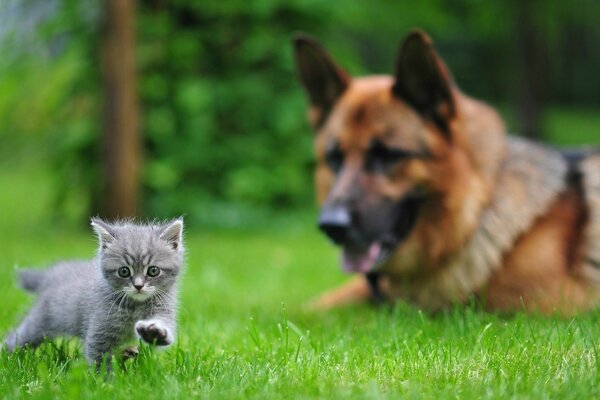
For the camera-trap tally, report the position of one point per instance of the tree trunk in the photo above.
(121, 142)
(529, 71)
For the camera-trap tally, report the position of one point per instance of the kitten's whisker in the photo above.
(163, 298)
(124, 299)
(107, 298)
(119, 294)
(164, 294)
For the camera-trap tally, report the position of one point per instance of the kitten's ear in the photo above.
(103, 230)
(173, 232)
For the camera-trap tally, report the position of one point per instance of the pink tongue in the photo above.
(360, 260)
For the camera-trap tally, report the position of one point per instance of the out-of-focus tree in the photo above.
(120, 140)
(223, 117)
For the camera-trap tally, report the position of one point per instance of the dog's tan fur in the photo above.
(506, 221)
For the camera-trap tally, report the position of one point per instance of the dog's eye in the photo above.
(334, 159)
(380, 157)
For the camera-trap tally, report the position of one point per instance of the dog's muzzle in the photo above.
(336, 223)
(362, 250)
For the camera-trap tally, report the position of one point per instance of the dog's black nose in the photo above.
(335, 222)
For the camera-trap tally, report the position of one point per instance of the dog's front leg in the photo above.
(355, 291)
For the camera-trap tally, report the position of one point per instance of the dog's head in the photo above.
(389, 155)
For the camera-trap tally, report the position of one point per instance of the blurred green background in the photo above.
(225, 142)
(224, 138)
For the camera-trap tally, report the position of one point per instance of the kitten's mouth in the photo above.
(139, 295)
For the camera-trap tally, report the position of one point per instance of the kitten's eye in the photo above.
(124, 272)
(153, 271)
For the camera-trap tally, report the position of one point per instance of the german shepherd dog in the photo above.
(433, 203)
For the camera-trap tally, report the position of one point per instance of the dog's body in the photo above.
(435, 204)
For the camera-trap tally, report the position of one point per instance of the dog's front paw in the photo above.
(154, 332)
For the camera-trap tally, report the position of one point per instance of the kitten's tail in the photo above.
(31, 279)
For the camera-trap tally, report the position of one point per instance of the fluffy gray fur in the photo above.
(89, 299)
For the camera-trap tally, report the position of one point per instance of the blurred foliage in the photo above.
(223, 119)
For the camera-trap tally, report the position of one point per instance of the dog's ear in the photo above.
(323, 80)
(423, 81)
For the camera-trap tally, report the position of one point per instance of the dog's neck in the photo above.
(499, 226)
(478, 151)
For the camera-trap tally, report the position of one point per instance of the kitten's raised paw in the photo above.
(153, 332)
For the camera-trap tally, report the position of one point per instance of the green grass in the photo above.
(243, 332)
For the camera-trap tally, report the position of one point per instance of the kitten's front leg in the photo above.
(155, 331)
(99, 343)
(96, 353)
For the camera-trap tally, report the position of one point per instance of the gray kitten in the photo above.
(129, 290)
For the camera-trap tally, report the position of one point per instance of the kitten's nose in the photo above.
(138, 286)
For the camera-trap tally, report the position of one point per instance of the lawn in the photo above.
(243, 331)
